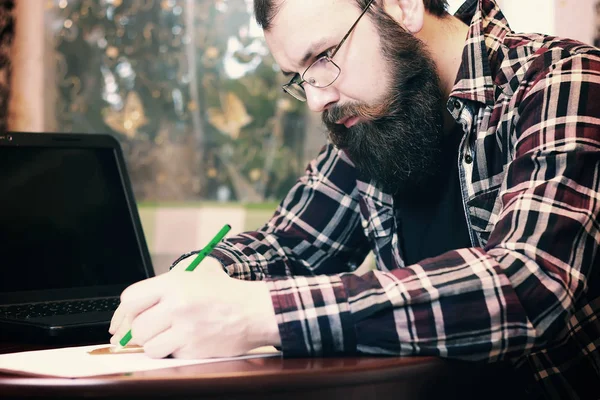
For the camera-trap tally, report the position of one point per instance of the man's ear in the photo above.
(408, 13)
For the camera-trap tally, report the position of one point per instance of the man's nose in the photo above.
(319, 99)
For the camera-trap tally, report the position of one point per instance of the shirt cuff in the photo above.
(313, 316)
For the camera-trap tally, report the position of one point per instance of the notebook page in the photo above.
(76, 362)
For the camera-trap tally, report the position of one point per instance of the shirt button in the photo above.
(365, 223)
(456, 104)
(468, 159)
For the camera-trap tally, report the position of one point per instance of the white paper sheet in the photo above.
(75, 362)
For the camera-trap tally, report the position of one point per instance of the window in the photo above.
(189, 89)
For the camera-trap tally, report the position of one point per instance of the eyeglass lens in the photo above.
(321, 73)
(296, 91)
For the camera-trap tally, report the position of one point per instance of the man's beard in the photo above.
(398, 143)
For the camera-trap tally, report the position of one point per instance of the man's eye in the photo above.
(326, 53)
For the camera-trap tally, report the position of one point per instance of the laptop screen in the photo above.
(65, 220)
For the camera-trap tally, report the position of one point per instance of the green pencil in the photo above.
(203, 253)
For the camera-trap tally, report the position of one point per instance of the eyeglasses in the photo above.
(321, 73)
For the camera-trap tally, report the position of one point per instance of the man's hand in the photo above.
(196, 314)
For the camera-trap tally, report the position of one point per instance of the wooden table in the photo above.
(273, 378)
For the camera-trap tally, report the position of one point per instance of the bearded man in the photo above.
(463, 155)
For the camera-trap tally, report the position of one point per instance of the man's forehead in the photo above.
(289, 11)
(299, 23)
(306, 7)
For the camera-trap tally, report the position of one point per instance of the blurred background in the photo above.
(189, 89)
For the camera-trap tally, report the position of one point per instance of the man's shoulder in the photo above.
(536, 45)
(331, 167)
(530, 57)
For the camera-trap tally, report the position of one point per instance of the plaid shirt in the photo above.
(528, 290)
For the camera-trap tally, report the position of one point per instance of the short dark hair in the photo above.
(265, 11)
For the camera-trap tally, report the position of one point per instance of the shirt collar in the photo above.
(487, 29)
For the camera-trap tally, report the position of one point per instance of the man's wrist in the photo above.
(263, 330)
(208, 264)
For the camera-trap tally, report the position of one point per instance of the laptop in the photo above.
(70, 236)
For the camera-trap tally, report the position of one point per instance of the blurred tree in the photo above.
(189, 89)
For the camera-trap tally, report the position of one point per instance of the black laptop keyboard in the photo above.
(34, 310)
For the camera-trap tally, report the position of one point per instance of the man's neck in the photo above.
(445, 38)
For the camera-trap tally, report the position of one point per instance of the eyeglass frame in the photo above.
(298, 79)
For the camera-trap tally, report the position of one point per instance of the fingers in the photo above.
(151, 323)
(121, 331)
(142, 295)
(116, 320)
(164, 344)
(134, 300)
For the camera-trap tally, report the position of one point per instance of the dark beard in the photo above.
(398, 144)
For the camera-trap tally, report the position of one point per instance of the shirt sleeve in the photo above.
(503, 300)
(314, 231)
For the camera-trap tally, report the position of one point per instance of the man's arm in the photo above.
(315, 230)
(507, 299)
